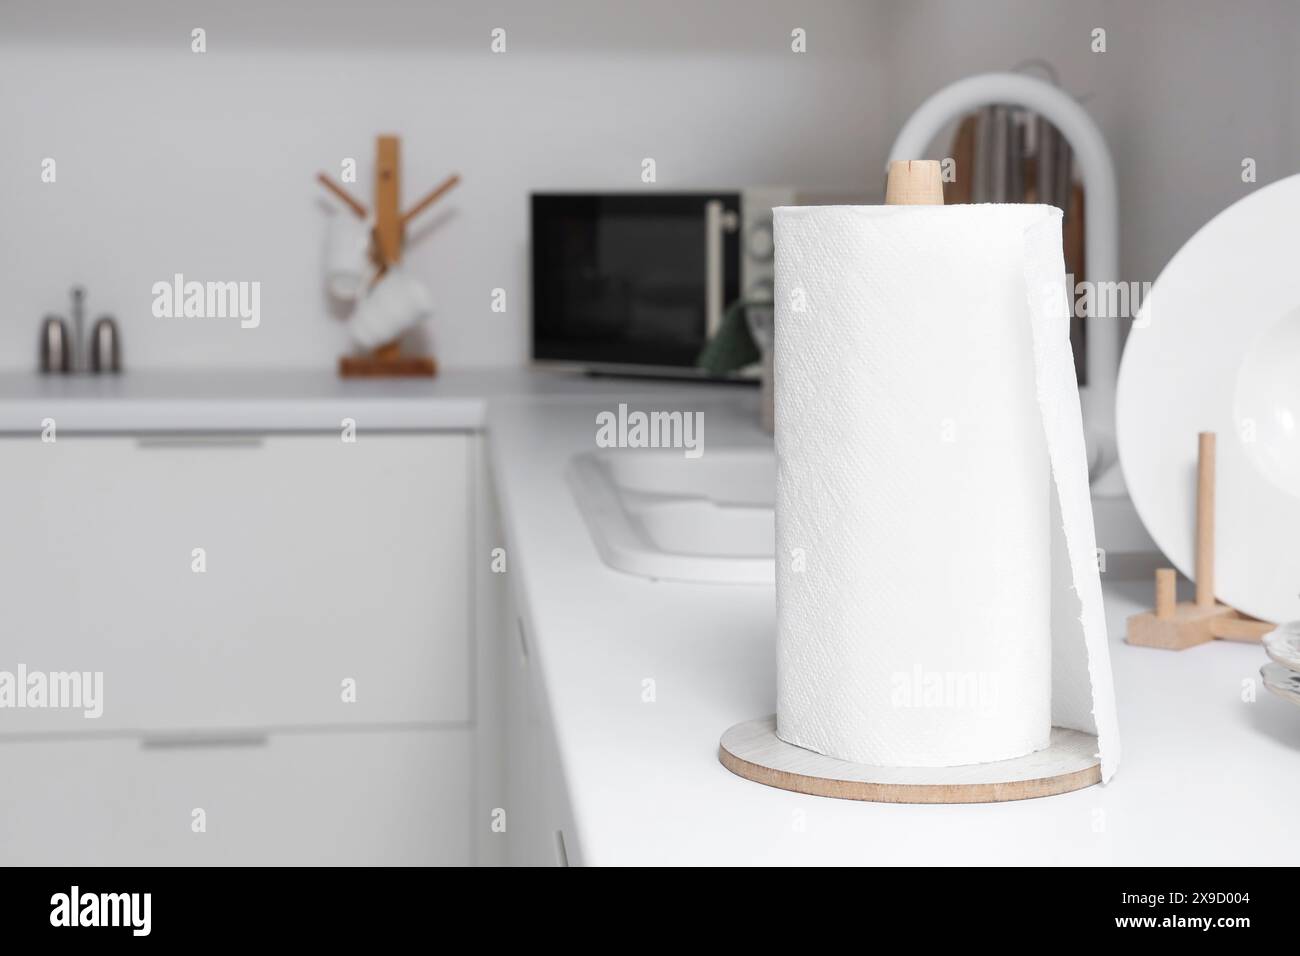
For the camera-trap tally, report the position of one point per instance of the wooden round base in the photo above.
(752, 750)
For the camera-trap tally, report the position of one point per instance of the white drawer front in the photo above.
(325, 562)
(340, 798)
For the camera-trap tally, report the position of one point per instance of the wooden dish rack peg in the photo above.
(1175, 625)
(386, 250)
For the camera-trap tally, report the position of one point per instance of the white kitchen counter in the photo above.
(278, 399)
(1206, 778)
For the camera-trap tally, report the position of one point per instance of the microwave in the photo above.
(637, 283)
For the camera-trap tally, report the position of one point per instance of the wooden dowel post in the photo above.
(1166, 593)
(1205, 520)
(914, 182)
(388, 213)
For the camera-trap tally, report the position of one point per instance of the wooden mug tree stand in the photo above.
(1175, 625)
(386, 250)
(753, 750)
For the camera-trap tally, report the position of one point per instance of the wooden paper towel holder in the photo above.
(1175, 625)
(753, 750)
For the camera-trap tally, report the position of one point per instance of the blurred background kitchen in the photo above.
(170, 161)
(498, 584)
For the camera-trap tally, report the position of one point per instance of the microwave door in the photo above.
(623, 280)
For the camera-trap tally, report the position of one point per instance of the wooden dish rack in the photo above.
(1176, 625)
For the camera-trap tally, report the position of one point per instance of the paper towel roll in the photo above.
(934, 608)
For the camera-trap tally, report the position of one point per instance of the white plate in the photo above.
(1283, 645)
(1285, 683)
(1216, 347)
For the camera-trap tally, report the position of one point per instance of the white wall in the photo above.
(170, 161)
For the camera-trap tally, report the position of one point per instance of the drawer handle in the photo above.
(202, 740)
(199, 441)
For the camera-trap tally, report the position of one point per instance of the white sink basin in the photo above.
(661, 515)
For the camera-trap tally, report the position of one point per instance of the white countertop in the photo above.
(280, 399)
(1206, 778)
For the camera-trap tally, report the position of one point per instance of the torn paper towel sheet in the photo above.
(938, 597)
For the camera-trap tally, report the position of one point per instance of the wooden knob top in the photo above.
(914, 182)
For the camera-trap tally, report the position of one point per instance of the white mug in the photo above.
(348, 268)
(397, 302)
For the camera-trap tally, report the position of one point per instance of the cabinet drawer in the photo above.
(325, 562)
(339, 798)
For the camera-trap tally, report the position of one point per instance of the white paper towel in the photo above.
(938, 597)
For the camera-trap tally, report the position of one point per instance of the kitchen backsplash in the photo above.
(230, 196)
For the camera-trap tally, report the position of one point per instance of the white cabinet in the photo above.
(541, 829)
(323, 562)
(324, 566)
(356, 797)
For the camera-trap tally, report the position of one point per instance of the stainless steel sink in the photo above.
(661, 515)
